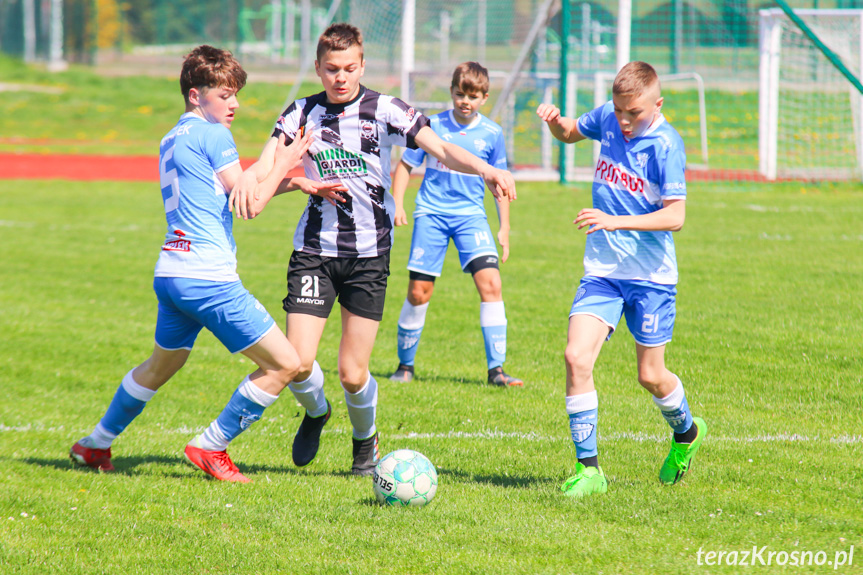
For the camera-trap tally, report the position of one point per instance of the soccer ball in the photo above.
(405, 478)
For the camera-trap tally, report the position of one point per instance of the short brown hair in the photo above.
(210, 67)
(470, 77)
(339, 37)
(635, 79)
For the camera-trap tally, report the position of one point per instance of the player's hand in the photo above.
(291, 156)
(501, 183)
(401, 217)
(548, 113)
(333, 192)
(503, 240)
(595, 220)
(242, 198)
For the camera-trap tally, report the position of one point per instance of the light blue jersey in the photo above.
(448, 193)
(633, 177)
(199, 243)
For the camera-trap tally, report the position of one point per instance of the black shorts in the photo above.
(316, 282)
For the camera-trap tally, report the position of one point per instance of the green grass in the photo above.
(90, 114)
(767, 342)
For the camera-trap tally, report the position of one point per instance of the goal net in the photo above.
(809, 111)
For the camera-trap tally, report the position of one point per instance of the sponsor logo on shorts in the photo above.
(310, 300)
(417, 254)
(491, 260)
(178, 245)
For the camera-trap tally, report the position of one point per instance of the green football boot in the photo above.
(679, 459)
(586, 481)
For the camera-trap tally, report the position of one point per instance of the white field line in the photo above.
(489, 434)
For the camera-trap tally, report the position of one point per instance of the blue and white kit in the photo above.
(450, 204)
(629, 272)
(196, 277)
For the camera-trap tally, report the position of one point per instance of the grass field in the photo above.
(90, 114)
(767, 342)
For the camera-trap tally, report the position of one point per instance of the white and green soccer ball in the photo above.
(405, 478)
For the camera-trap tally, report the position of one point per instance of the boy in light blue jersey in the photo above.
(196, 280)
(639, 193)
(449, 205)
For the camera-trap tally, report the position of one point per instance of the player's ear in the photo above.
(659, 103)
(194, 96)
(484, 99)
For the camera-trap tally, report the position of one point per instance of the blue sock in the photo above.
(675, 409)
(411, 322)
(128, 403)
(409, 342)
(245, 407)
(583, 411)
(492, 320)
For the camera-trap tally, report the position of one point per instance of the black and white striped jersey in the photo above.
(352, 143)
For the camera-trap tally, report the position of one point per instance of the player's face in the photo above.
(340, 72)
(466, 104)
(216, 105)
(635, 113)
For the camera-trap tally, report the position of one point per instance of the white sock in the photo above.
(413, 316)
(492, 313)
(254, 393)
(213, 439)
(362, 408)
(101, 438)
(310, 392)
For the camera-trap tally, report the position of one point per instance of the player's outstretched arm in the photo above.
(670, 218)
(500, 182)
(249, 192)
(561, 127)
(400, 184)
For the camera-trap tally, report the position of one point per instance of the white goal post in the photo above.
(810, 114)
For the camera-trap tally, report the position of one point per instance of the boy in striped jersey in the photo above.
(342, 245)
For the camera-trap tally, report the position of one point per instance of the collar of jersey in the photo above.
(475, 122)
(330, 106)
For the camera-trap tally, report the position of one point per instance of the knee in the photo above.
(490, 289)
(577, 362)
(650, 378)
(420, 294)
(353, 379)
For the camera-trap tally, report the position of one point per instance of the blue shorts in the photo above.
(471, 235)
(649, 307)
(227, 309)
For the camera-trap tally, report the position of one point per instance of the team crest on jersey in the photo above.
(335, 163)
(479, 144)
(609, 135)
(369, 132)
(410, 113)
(641, 159)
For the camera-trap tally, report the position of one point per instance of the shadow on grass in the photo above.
(433, 378)
(496, 480)
(170, 467)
